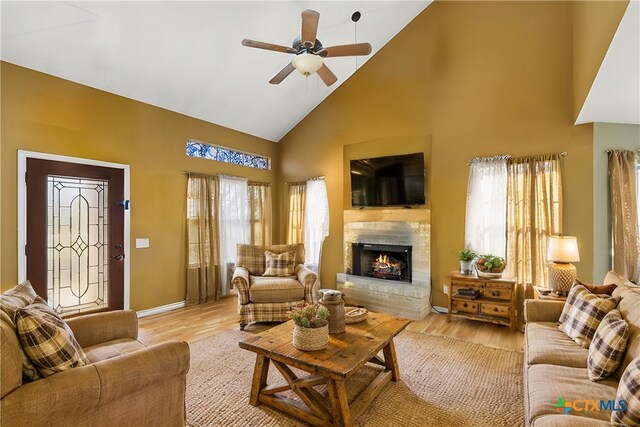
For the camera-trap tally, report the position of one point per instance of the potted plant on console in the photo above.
(466, 261)
(311, 328)
(490, 266)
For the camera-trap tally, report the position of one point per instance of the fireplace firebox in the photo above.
(389, 262)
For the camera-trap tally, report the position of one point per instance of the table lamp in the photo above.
(562, 251)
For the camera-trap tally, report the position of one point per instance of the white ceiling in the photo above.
(187, 57)
(615, 93)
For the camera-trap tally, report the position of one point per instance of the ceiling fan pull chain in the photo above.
(355, 37)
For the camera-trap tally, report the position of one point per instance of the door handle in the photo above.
(118, 257)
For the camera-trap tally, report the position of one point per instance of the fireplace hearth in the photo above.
(388, 262)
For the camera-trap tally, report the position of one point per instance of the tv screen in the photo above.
(388, 181)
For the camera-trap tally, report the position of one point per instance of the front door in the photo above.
(75, 235)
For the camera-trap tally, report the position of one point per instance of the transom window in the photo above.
(227, 155)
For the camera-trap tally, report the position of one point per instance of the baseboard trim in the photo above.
(436, 309)
(161, 309)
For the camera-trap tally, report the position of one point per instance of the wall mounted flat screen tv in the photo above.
(388, 181)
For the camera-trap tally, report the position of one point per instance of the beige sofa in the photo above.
(127, 383)
(268, 299)
(556, 367)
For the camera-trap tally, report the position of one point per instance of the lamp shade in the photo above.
(563, 249)
(307, 63)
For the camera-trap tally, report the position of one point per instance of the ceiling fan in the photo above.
(309, 51)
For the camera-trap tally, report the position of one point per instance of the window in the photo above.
(486, 213)
(233, 209)
(316, 220)
(227, 155)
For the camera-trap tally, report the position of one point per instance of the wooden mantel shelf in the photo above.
(387, 215)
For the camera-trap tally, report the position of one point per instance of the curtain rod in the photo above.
(225, 175)
(500, 157)
(507, 157)
(317, 178)
(264, 183)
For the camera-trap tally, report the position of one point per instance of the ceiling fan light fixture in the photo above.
(307, 63)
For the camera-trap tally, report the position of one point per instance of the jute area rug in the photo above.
(444, 382)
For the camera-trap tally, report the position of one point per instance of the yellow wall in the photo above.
(464, 79)
(594, 24)
(474, 79)
(51, 115)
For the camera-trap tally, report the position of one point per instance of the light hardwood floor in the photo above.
(200, 321)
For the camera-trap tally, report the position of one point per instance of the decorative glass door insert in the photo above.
(77, 244)
(75, 235)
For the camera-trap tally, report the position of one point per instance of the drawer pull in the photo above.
(495, 309)
(465, 305)
(495, 293)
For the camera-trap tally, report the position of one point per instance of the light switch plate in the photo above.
(142, 243)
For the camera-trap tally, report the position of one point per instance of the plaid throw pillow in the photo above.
(597, 289)
(10, 301)
(629, 391)
(48, 340)
(608, 345)
(252, 258)
(586, 312)
(279, 264)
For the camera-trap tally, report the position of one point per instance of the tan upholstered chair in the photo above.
(268, 299)
(127, 383)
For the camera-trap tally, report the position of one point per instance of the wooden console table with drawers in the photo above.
(496, 303)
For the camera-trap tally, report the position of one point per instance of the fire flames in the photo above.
(385, 266)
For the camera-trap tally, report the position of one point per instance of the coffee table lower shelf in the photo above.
(314, 408)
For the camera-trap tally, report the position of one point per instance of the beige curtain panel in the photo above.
(260, 213)
(534, 212)
(623, 198)
(295, 212)
(203, 275)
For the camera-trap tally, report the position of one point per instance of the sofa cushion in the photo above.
(629, 391)
(48, 340)
(586, 313)
(597, 289)
(629, 295)
(545, 344)
(109, 349)
(10, 301)
(279, 265)
(275, 289)
(11, 362)
(548, 384)
(608, 346)
(568, 421)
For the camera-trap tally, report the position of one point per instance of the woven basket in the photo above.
(355, 314)
(310, 339)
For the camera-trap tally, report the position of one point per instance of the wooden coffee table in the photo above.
(346, 353)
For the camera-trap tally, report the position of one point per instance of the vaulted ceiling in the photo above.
(187, 57)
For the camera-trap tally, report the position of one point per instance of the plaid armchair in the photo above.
(269, 298)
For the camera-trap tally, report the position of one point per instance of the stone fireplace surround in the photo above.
(407, 227)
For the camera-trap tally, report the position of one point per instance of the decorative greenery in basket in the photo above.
(490, 264)
(310, 316)
(311, 328)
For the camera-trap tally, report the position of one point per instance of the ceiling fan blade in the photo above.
(310, 20)
(282, 74)
(326, 75)
(346, 50)
(267, 46)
